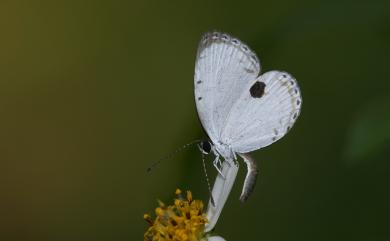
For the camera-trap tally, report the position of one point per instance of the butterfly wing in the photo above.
(224, 66)
(264, 112)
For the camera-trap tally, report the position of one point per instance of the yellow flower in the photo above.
(182, 221)
(185, 219)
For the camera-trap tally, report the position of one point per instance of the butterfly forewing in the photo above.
(224, 68)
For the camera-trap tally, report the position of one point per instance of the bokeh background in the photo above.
(93, 92)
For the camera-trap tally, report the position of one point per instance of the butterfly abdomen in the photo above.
(251, 177)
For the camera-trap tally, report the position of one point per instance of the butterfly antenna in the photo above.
(207, 179)
(154, 165)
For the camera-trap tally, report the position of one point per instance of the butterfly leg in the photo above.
(218, 165)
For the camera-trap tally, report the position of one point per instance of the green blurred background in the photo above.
(92, 92)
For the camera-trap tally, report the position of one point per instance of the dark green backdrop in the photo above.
(92, 92)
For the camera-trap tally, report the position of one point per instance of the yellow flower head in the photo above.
(182, 221)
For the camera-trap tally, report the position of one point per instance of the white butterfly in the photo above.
(241, 110)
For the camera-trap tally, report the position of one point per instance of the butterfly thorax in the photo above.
(225, 150)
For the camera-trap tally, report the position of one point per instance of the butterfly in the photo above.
(240, 109)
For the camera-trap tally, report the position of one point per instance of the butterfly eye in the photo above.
(206, 147)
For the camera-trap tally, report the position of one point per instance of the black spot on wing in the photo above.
(257, 89)
(276, 131)
(248, 70)
(235, 41)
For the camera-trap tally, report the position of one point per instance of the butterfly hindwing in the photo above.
(264, 112)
